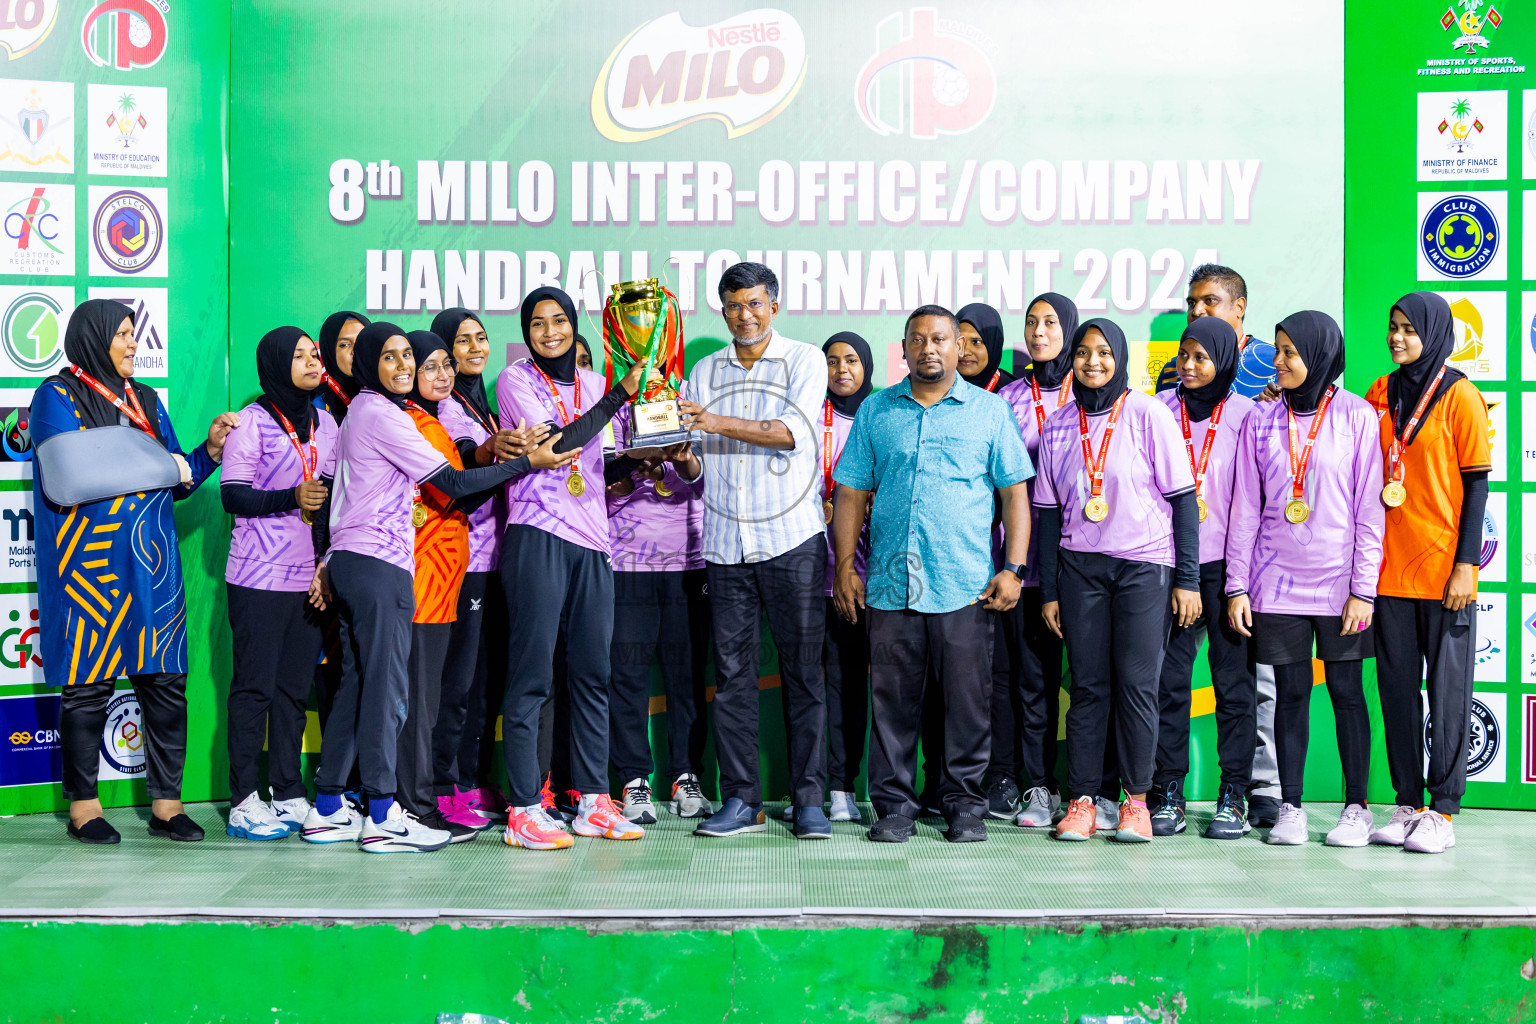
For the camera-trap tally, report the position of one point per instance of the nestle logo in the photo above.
(739, 35)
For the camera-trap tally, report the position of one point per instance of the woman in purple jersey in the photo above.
(1304, 546)
(1025, 712)
(337, 385)
(1119, 548)
(276, 464)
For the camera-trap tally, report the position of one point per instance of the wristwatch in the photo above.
(1017, 568)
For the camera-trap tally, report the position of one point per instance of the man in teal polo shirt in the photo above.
(933, 450)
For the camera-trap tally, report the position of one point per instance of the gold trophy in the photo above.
(642, 322)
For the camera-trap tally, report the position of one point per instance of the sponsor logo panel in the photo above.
(930, 76)
(37, 126)
(150, 320)
(25, 25)
(1461, 235)
(125, 34)
(37, 232)
(31, 753)
(32, 325)
(1480, 322)
(128, 232)
(1487, 736)
(1462, 135)
(126, 130)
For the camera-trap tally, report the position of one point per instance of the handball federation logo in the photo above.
(122, 741)
(1459, 236)
(127, 231)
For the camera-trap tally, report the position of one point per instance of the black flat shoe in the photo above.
(97, 832)
(180, 828)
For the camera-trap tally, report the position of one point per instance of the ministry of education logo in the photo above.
(1459, 236)
(127, 231)
(1470, 24)
(32, 332)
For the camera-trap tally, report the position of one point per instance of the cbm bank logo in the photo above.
(928, 78)
(742, 71)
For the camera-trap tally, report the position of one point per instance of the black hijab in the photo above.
(1321, 345)
(1050, 375)
(423, 344)
(365, 358)
(989, 325)
(88, 345)
(562, 368)
(1099, 400)
(469, 387)
(1219, 340)
(849, 404)
(274, 368)
(1431, 318)
(329, 332)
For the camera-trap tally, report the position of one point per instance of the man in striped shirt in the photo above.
(754, 410)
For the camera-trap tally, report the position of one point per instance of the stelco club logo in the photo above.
(1459, 236)
(742, 72)
(127, 231)
(930, 81)
(125, 34)
(24, 24)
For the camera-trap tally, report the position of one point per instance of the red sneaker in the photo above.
(603, 820)
(1078, 826)
(1135, 824)
(535, 830)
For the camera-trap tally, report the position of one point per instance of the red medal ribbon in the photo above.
(474, 413)
(996, 374)
(1299, 463)
(826, 450)
(575, 470)
(1096, 468)
(133, 409)
(1205, 450)
(1395, 457)
(330, 382)
(310, 464)
(1061, 399)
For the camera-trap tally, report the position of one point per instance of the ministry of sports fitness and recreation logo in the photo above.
(742, 71)
(935, 79)
(1470, 25)
(125, 34)
(24, 24)
(32, 332)
(1485, 738)
(127, 231)
(122, 740)
(1459, 236)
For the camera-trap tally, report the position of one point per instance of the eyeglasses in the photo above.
(734, 310)
(432, 371)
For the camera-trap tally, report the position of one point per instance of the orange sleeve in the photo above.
(1468, 419)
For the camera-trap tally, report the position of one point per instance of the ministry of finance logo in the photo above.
(1461, 135)
(1459, 237)
(127, 232)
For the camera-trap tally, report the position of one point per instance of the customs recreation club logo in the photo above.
(1470, 25)
(1459, 236)
(934, 79)
(127, 231)
(742, 71)
(24, 24)
(32, 332)
(1485, 738)
(125, 34)
(122, 740)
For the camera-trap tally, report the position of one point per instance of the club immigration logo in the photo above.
(32, 332)
(742, 71)
(24, 24)
(1459, 236)
(1485, 738)
(127, 232)
(36, 126)
(125, 34)
(122, 739)
(1470, 24)
(38, 222)
(934, 79)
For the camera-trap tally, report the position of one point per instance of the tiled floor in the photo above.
(1017, 873)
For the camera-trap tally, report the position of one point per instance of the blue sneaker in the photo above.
(734, 818)
(811, 823)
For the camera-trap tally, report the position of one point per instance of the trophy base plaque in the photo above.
(656, 425)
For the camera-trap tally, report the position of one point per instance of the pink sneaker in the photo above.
(485, 801)
(453, 809)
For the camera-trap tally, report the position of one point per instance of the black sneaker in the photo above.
(1168, 810)
(180, 828)
(1263, 811)
(1003, 799)
(893, 828)
(967, 828)
(1231, 821)
(456, 833)
(97, 832)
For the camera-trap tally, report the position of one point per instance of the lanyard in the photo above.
(560, 402)
(996, 374)
(312, 462)
(1210, 439)
(1096, 468)
(826, 450)
(1299, 463)
(485, 424)
(134, 413)
(1395, 456)
(1061, 398)
(331, 383)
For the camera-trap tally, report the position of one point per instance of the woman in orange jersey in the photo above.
(1434, 437)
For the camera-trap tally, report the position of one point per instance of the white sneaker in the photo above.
(1290, 827)
(1431, 833)
(1354, 827)
(342, 827)
(845, 807)
(1040, 806)
(291, 812)
(251, 818)
(688, 799)
(1397, 827)
(401, 832)
(638, 806)
(1106, 814)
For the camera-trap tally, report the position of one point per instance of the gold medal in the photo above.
(1297, 511)
(826, 511)
(1205, 509)
(576, 485)
(418, 515)
(662, 490)
(307, 517)
(1394, 494)
(1097, 509)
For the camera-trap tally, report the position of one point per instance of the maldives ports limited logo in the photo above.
(1459, 235)
(125, 34)
(742, 72)
(934, 79)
